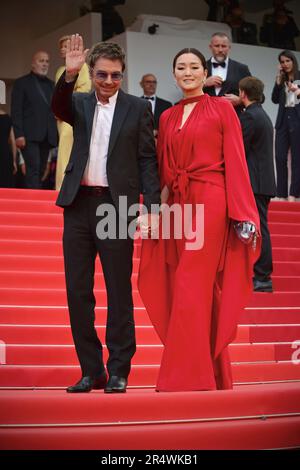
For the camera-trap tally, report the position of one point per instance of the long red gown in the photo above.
(194, 297)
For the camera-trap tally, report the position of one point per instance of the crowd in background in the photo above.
(278, 28)
(35, 155)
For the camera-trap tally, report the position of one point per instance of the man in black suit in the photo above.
(113, 157)
(224, 73)
(33, 121)
(149, 84)
(257, 130)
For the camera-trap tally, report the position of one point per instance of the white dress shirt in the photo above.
(95, 170)
(152, 101)
(220, 71)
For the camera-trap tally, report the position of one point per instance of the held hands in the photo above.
(21, 142)
(75, 56)
(149, 225)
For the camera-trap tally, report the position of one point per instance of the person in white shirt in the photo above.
(149, 84)
(224, 73)
(113, 157)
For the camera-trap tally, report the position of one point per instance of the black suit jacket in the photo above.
(31, 109)
(160, 106)
(236, 71)
(257, 130)
(279, 97)
(131, 160)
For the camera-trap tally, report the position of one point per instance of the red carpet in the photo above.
(263, 410)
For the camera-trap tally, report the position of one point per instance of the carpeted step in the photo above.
(284, 216)
(34, 328)
(286, 268)
(141, 375)
(28, 194)
(271, 333)
(283, 228)
(250, 433)
(286, 254)
(41, 315)
(61, 334)
(57, 280)
(25, 354)
(24, 262)
(54, 315)
(28, 232)
(41, 354)
(284, 206)
(146, 405)
(39, 247)
(276, 299)
(36, 247)
(286, 283)
(32, 219)
(30, 206)
(270, 316)
(46, 296)
(285, 241)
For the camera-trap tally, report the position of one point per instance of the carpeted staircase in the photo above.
(37, 357)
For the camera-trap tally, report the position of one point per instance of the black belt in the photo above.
(94, 190)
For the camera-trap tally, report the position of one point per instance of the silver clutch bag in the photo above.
(246, 231)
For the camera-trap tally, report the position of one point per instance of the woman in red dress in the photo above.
(194, 296)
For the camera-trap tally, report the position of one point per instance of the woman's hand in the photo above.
(293, 87)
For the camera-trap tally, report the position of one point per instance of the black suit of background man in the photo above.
(149, 85)
(258, 132)
(33, 121)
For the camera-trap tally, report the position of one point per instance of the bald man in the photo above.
(33, 121)
(149, 85)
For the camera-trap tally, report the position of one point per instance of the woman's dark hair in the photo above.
(108, 50)
(289, 55)
(190, 50)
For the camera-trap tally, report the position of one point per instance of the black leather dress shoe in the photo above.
(116, 384)
(87, 383)
(262, 286)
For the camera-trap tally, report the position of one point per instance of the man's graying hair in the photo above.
(107, 50)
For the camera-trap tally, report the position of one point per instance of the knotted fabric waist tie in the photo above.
(213, 174)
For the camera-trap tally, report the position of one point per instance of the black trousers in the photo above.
(35, 155)
(263, 267)
(288, 137)
(81, 246)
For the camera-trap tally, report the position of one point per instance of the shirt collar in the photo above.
(111, 101)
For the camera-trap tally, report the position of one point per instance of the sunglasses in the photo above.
(115, 76)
